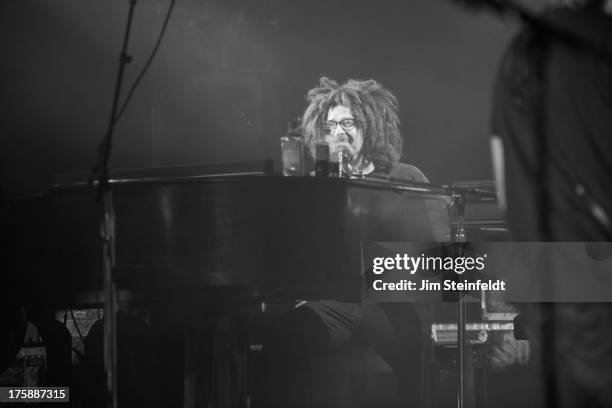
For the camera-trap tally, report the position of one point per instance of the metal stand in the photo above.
(459, 200)
(107, 229)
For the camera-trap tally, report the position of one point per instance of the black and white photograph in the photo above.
(306, 204)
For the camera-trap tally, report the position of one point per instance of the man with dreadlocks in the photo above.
(360, 116)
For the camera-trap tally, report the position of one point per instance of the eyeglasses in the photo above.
(329, 126)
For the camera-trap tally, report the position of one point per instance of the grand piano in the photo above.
(220, 236)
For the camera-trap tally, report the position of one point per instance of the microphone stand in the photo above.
(459, 200)
(107, 227)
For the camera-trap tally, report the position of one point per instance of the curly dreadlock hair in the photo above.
(373, 107)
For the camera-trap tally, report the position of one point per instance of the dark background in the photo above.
(230, 74)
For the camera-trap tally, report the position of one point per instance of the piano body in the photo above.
(290, 237)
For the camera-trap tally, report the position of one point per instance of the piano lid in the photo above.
(171, 173)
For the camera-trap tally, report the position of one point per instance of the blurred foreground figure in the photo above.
(552, 126)
(552, 154)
